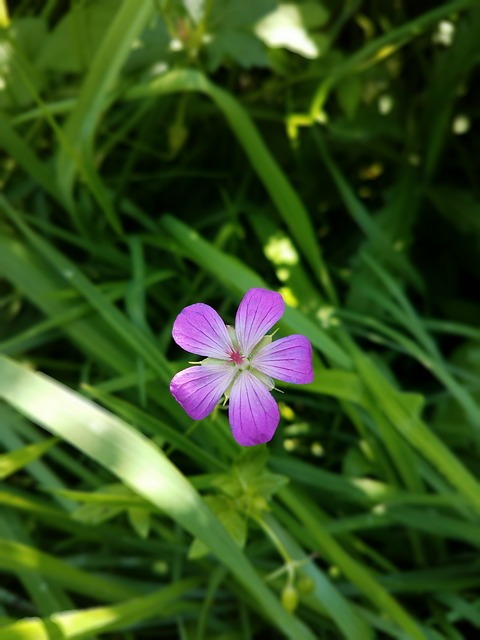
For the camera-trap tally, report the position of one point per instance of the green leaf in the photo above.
(349, 94)
(75, 154)
(249, 483)
(233, 521)
(16, 557)
(73, 43)
(307, 513)
(253, 475)
(140, 465)
(286, 199)
(21, 78)
(327, 597)
(242, 47)
(81, 624)
(15, 460)
(140, 520)
(239, 277)
(238, 14)
(101, 505)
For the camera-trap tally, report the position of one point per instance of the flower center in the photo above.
(237, 359)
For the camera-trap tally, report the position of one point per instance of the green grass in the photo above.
(155, 155)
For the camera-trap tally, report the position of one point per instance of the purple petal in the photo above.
(198, 389)
(253, 413)
(199, 329)
(259, 310)
(288, 359)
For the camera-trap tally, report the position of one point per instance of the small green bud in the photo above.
(289, 597)
(259, 504)
(306, 584)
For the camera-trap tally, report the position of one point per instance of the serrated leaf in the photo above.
(267, 484)
(73, 43)
(355, 464)
(250, 479)
(230, 36)
(229, 485)
(233, 521)
(152, 48)
(242, 47)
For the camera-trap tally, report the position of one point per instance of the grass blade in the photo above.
(141, 466)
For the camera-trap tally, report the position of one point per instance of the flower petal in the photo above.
(199, 329)
(253, 412)
(259, 310)
(288, 359)
(198, 389)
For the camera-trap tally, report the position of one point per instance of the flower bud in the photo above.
(306, 584)
(289, 597)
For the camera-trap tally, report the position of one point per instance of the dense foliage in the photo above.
(158, 154)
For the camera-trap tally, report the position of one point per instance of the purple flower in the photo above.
(240, 364)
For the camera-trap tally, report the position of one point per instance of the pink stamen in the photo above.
(237, 358)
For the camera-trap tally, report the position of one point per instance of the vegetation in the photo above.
(158, 154)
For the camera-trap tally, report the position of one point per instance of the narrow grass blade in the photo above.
(16, 147)
(383, 46)
(129, 21)
(18, 557)
(325, 593)
(126, 330)
(140, 465)
(240, 278)
(362, 217)
(77, 624)
(15, 460)
(286, 199)
(417, 433)
(305, 511)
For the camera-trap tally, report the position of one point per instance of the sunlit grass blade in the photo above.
(127, 331)
(240, 278)
(157, 428)
(46, 594)
(362, 217)
(77, 624)
(18, 149)
(325, 594)
(415, 431)
(408, 316)
(18, 557)
(286, 199)
(129, 21)
(364, 492)
(15, 460)
(39, 283)
(381, 47)
(306, 512)
(139, 464)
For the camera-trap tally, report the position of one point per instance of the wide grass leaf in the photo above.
(140, 465)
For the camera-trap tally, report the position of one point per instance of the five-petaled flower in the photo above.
(240, 364)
